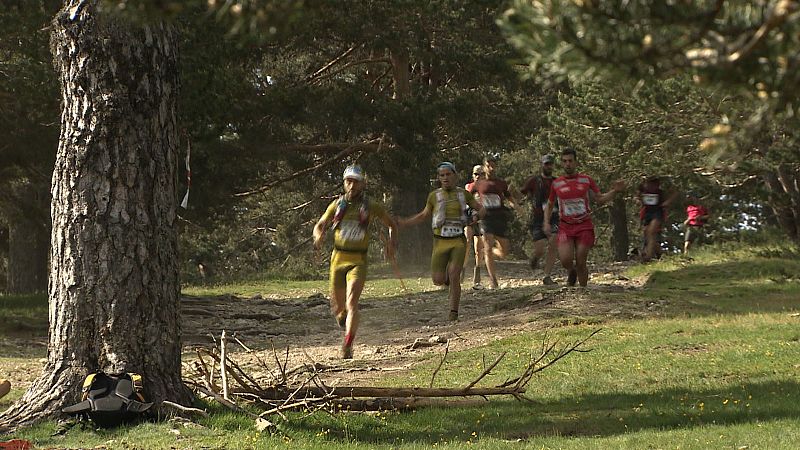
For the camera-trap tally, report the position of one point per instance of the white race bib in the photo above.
(351, 231)
(491, 201)
(451, 229)
(650, 199)
(573, 207)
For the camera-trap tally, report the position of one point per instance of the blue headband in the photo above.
(447, 165)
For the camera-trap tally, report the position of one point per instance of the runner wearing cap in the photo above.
(494, 195)
(350, 216)
(575, 228)
(473, 230)
(447, 206)
(537, 190)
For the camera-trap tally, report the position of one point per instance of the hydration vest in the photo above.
(110, 400)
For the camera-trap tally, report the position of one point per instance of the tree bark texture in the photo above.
(784, 199)
(113, 288)
(618, 216)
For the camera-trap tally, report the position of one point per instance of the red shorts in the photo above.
(582, 233)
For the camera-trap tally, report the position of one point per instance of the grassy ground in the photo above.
(715, 366)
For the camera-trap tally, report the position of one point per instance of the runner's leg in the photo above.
(550, 258)
(581, 255)
(488, 247)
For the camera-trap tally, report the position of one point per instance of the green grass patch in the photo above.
(714, 366)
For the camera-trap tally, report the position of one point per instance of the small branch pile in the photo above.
(303, 388)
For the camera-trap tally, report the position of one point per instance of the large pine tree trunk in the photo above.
(114, 287)
(618, 217)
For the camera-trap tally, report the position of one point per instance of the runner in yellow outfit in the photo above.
(350, 216)
(448, 208)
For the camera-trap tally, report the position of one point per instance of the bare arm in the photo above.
(319, 231)
(548, 213)
(416, 218)
(391, 224)
(617, 186)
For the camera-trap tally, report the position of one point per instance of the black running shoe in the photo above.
(572, 278)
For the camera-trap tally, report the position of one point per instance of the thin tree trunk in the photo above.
(618, 216)
(400, 72)
(113, 287)
(787, 211)
(28, 246)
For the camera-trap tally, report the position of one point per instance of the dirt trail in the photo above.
(389, 327)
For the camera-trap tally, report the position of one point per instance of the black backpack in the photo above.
(109, 400)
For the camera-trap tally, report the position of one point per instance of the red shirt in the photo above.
(694, 212)
(573, 198)
(491, 192)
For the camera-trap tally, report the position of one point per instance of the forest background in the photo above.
(276, 99)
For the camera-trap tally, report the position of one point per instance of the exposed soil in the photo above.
(389, 326)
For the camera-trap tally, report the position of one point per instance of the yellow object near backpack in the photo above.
(110, 400)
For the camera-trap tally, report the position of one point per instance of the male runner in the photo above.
(575, 228)
(447, 206)
(653, 214)
(697, 216)
(350, 216)
(494, 194)
(473, 231)
(537, 190)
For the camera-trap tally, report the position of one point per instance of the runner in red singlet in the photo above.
(575, 229)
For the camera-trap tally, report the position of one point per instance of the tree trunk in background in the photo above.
(415, 242)
(618, 217)
(27, 211)
(400, 72)
(113, 289)
(784, 199)
(28, 247)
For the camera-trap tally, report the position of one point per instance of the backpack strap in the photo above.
(439, 214)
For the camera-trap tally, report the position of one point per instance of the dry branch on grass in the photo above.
(303, 388)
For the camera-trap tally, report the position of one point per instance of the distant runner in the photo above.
(575, 229)
(494, 195)
(697, 217)
(473, 230)
(653, 214)
(350, 216)
(537, 190)
(448, 208)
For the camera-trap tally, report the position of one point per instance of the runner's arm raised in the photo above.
(416, 218)
(617, 186)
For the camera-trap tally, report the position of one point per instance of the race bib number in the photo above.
(351, 231)
(491, 201)
(451, 229)
(573, 207)
(650, 199)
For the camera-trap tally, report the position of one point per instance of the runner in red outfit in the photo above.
(575, 229)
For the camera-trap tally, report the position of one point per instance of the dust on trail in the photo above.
(389, 326)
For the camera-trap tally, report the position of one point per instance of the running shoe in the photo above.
(547, 281)
(477, 287)
(453, 316)
(347, 351)
(572, 278)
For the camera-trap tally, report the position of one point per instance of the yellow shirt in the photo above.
(349, 235)
(452, 210)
